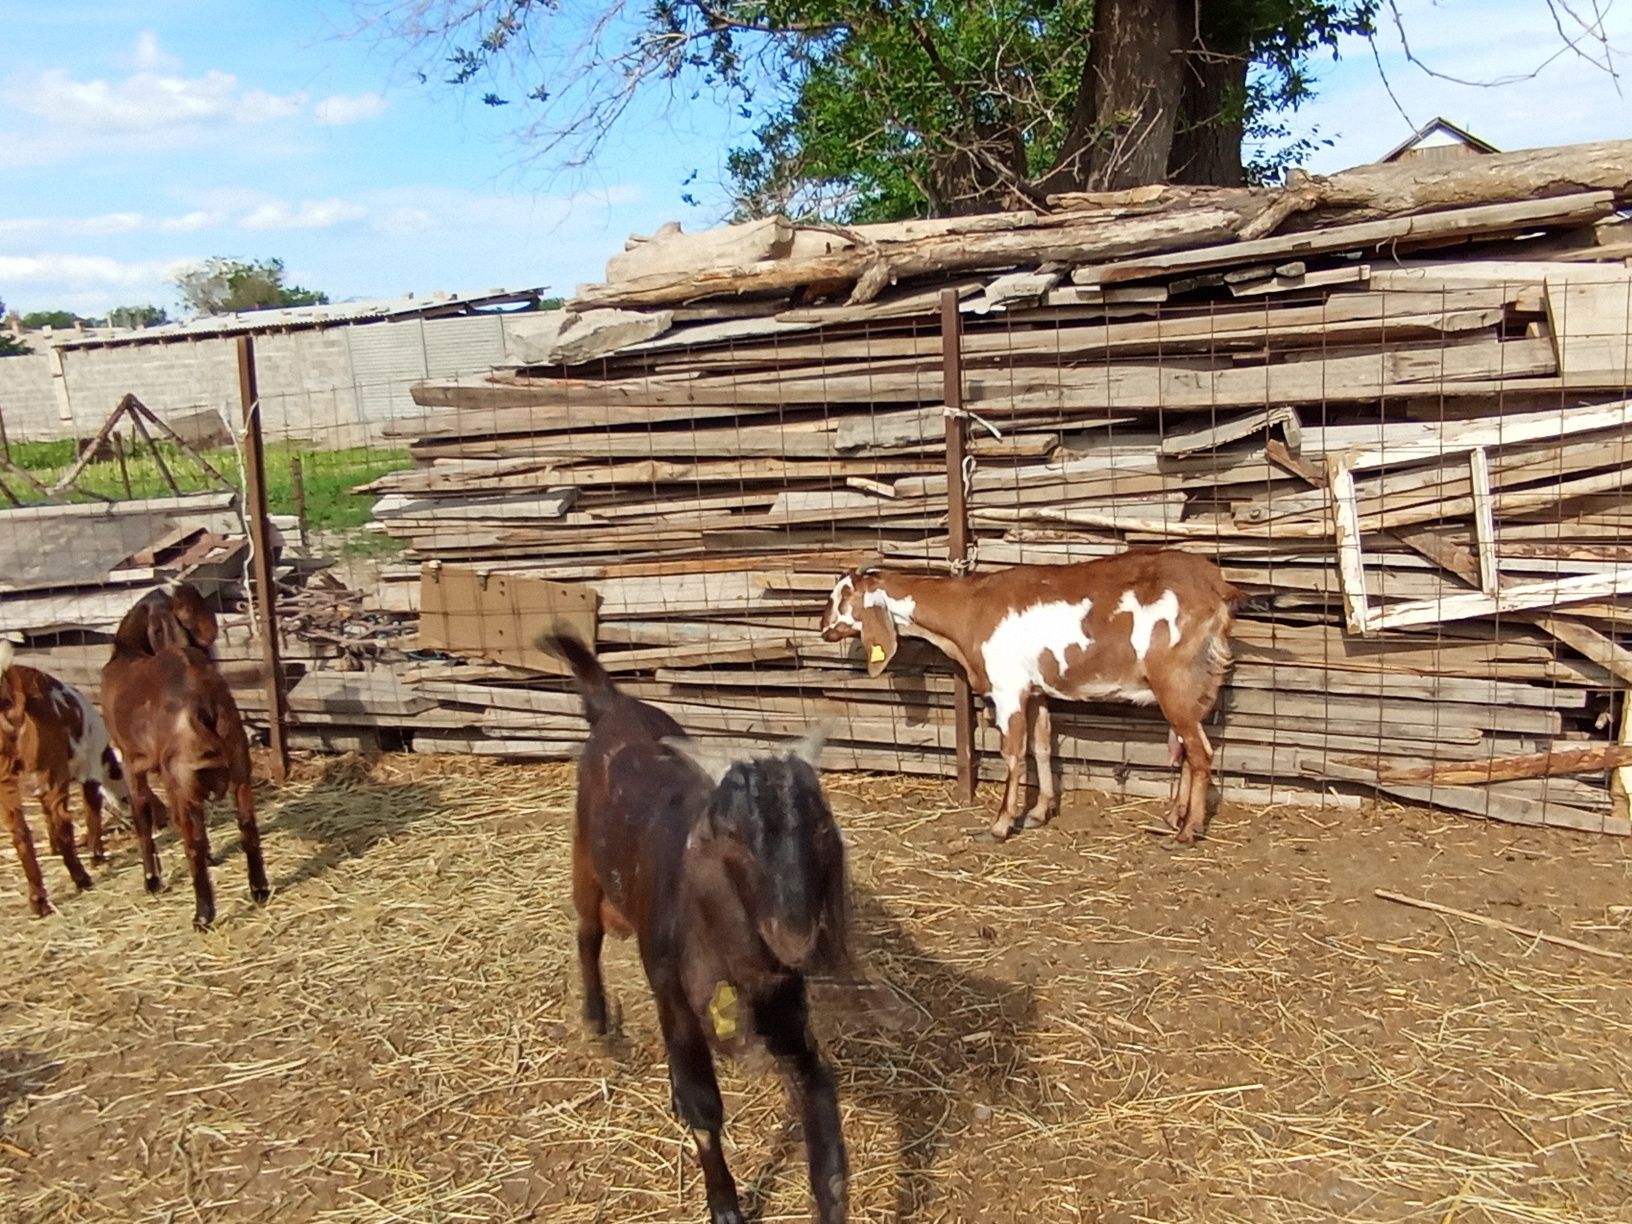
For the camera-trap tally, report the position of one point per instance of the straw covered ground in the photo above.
(1086, 1024)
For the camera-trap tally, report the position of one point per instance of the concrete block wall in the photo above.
(28, 398)
(333, 387)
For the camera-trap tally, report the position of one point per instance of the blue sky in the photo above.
(143, 136)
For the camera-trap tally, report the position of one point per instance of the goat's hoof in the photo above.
(154, 883)
(85, 885)
(99, 858)
(40, 906)
(992, 836)
(202, 922)
(261, 895)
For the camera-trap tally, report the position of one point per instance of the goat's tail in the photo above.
(594, 685)
(7, 653)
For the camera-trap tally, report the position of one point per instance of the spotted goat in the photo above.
(52, 739)
(1151, 626)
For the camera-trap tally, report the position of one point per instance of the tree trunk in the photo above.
(1127, 105)
(1207, 142)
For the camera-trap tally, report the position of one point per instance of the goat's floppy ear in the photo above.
(194, 615)
(809, 749)
(715, 762)
(877, 636)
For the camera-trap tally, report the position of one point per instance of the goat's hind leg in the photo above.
(144, 807)
(187, 810)
(60, 825)
(11, 811)
(587, 898)
(91, 792)
(249, 836)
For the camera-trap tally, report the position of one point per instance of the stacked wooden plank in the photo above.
(737, 416)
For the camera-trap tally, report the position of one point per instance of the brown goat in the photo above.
(52, 737)
(172, 717)
(1146, 626)
(730, 874)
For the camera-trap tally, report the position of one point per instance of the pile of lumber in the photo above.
(69, 571)
(1394, 400)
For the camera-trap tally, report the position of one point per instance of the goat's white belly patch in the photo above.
(1147, 616)
(1014, 653)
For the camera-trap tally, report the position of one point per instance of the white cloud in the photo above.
(148, 56)
(350, 108)
(188, 222)
(103, 224)
(309, 214)
(86, 271)
(145, 101)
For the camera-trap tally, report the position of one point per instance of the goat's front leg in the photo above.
(60, 825)
(1176, 757)
(697, 1096)
(1042, 751)
(1190, 804)
(11, 811)
(1010, 711)
(783, 1020)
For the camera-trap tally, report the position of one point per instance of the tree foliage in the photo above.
(874, 109)
(36, 319)
(138, 316)
(11, 346)
(221, 285)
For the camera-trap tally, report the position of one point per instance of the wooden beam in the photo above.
(260, 533)
(1596, 759)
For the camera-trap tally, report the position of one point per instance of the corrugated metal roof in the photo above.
(295, 318)
(1440, 124)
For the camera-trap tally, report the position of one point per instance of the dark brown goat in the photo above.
(730, 874)
(172, 716)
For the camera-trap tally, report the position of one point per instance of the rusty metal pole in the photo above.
(264, 593)
(957, 522)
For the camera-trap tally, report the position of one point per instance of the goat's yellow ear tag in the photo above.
(722, 1010)
(877, 655)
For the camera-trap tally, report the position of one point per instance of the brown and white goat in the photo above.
(1147, 626)
(172, 717)
(52, 738)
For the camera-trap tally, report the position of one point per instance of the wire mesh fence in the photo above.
(1415, 469)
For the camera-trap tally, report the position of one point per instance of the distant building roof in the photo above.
(302, 318)
(1438, 132)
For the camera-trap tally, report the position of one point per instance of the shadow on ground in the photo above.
(917, 1039)
(346, 811)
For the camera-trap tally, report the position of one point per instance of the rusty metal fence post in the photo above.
(957, 522)
(263, 591)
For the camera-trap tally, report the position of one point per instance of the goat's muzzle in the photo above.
(791, 945)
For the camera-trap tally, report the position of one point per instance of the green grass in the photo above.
(329, 476)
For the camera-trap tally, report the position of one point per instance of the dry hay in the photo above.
(1083, 1025)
